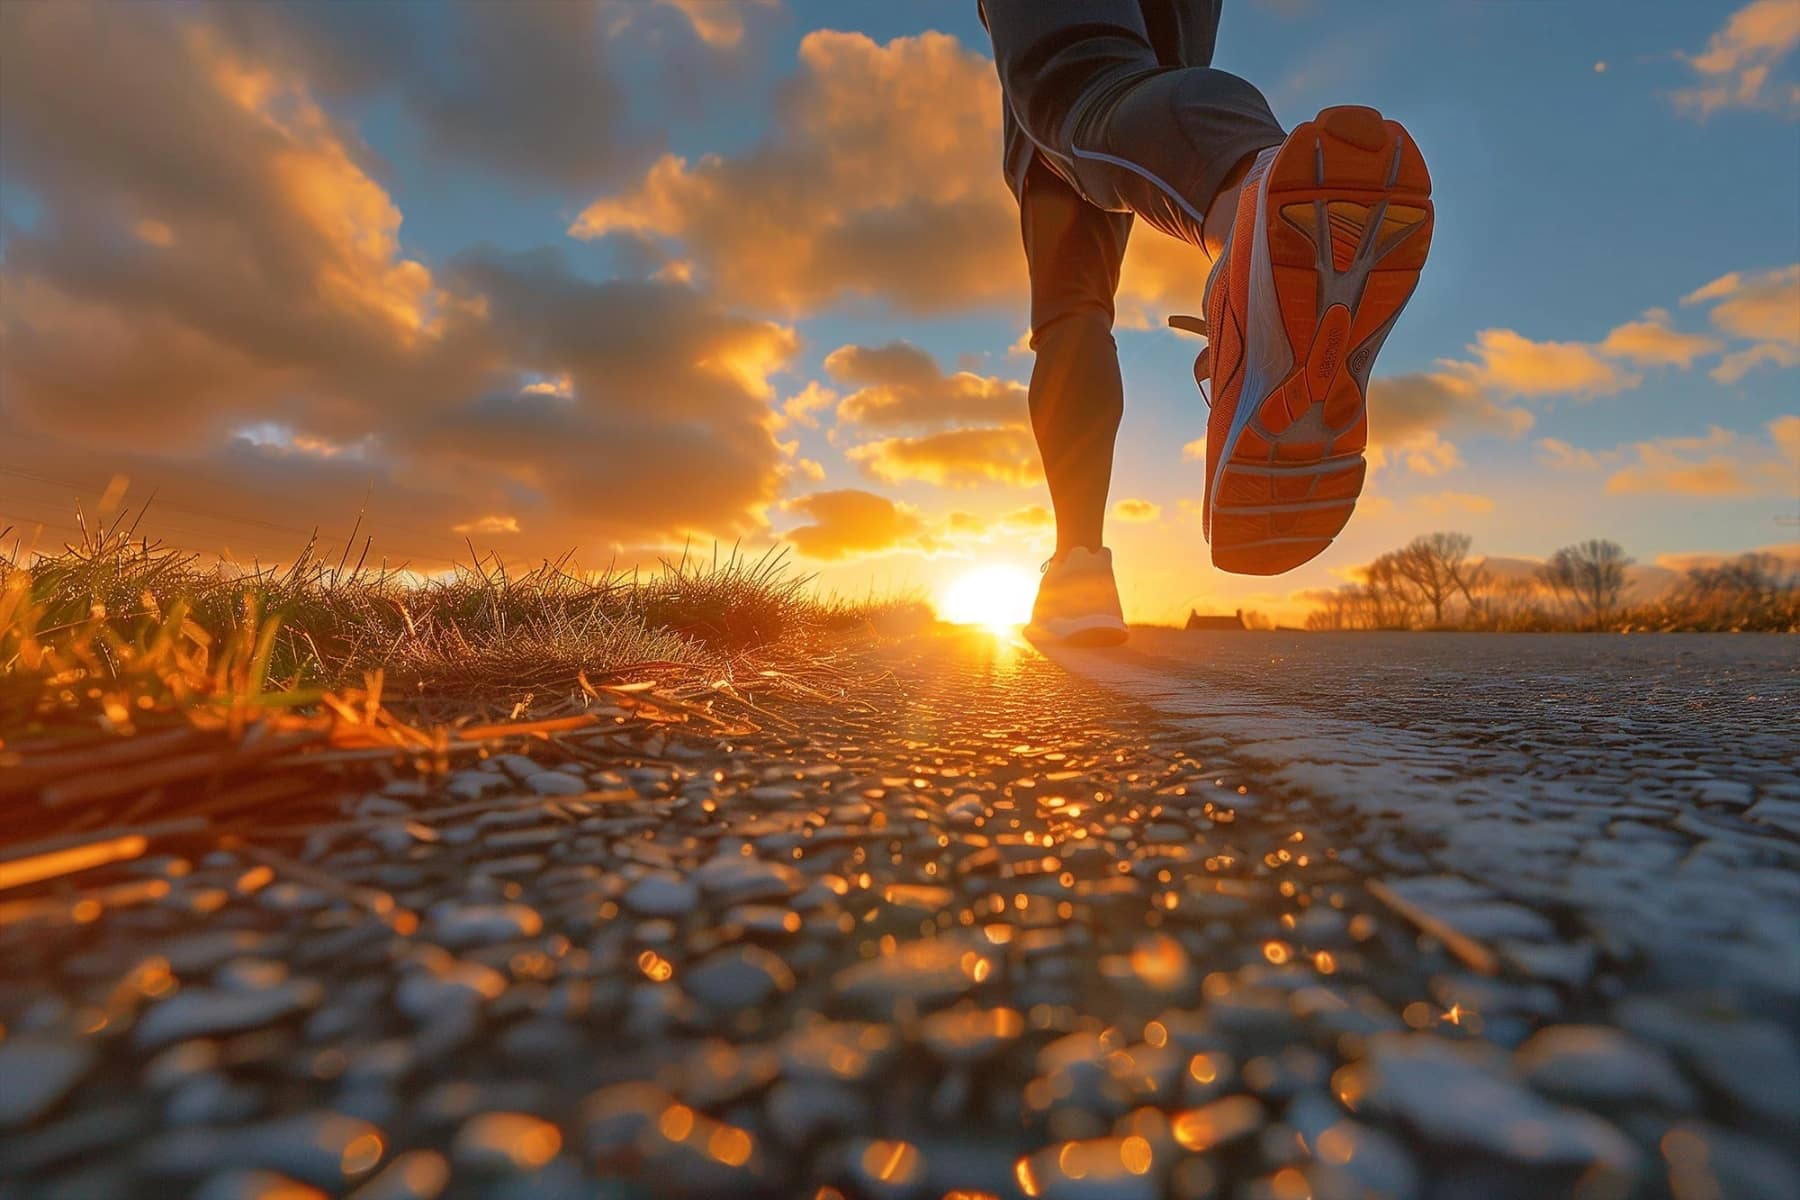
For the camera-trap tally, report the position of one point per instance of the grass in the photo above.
(143, 683)
(116, 605)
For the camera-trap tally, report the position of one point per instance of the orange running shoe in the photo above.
(1332, 228)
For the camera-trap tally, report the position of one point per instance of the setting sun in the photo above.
(998, 597)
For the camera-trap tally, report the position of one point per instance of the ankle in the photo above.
(1223, 210)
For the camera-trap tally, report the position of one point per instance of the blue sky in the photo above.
(1592, 163)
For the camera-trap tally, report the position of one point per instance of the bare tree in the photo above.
(1393, 600)
(1592, 573)
(1513, 604)
(1436, 564)
(1752, 591)
(1338, 608)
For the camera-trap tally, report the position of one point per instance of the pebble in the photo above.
(326, 1149)
(842, 1050)
(211, 1099)
(556, 783)
(1705, 1161)
(505, 1141)
(415, 1175)
(743, 977)
(738, 878)
(803, 1111)
(1753, 1061)
(1460, 1098)
(518, 766)
(922, 974)
(38, 1070)
(197, 1012)
(200, 953)
(439, 987)
(885, 1170)
(662, 894)
(1597, 1065)
(1112, 1168)
(459, 926)
(966, 810)
(1570, 964)
(255, 1185)
(964, 1036)
(1354, 1161)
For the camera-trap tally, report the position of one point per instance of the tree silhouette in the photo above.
(1590, 572)
(1437, 564)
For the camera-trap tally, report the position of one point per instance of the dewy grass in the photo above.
(74, 623)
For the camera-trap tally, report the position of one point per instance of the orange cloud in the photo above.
(279, 349)
(488, 525)
(1735, 67)
(1651, 342)
(1512, 364)
(1554, 452)
(954, 458)
(1762, 308)
(880, 177)
(1138, 511)
(803, 408)
(1029, 518)
(850, 521)
(719, 25)
(1721, 464)
(899, 384)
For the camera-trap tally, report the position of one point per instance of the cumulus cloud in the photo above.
(880, 178)
(218, 291)
(488, 526)
(1412, 416)
(1136, 511)
(719, 25)
(803, 408)
(954, 458)
(1762, 308)
(1030, 518)
(850, 521)
(1652, 343)
(900, 385)
(1403, 406)
(1735, 70)
(1721, 464)
(1554, 452)
(1509, 363)
(533, 89)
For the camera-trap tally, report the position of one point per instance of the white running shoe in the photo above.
(1077, 601)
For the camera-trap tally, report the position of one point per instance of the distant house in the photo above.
(1236, 621)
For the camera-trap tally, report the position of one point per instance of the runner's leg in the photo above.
(1073, 251)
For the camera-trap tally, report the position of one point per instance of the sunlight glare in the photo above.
(996, 597)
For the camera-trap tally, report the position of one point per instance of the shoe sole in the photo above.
(1342, 228)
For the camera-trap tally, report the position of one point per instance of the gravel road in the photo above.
(1236, 916)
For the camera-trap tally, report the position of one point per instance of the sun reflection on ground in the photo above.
(995, 597)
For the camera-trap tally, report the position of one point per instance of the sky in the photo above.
(624, 276)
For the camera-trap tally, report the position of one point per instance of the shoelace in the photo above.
(1203, 360)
